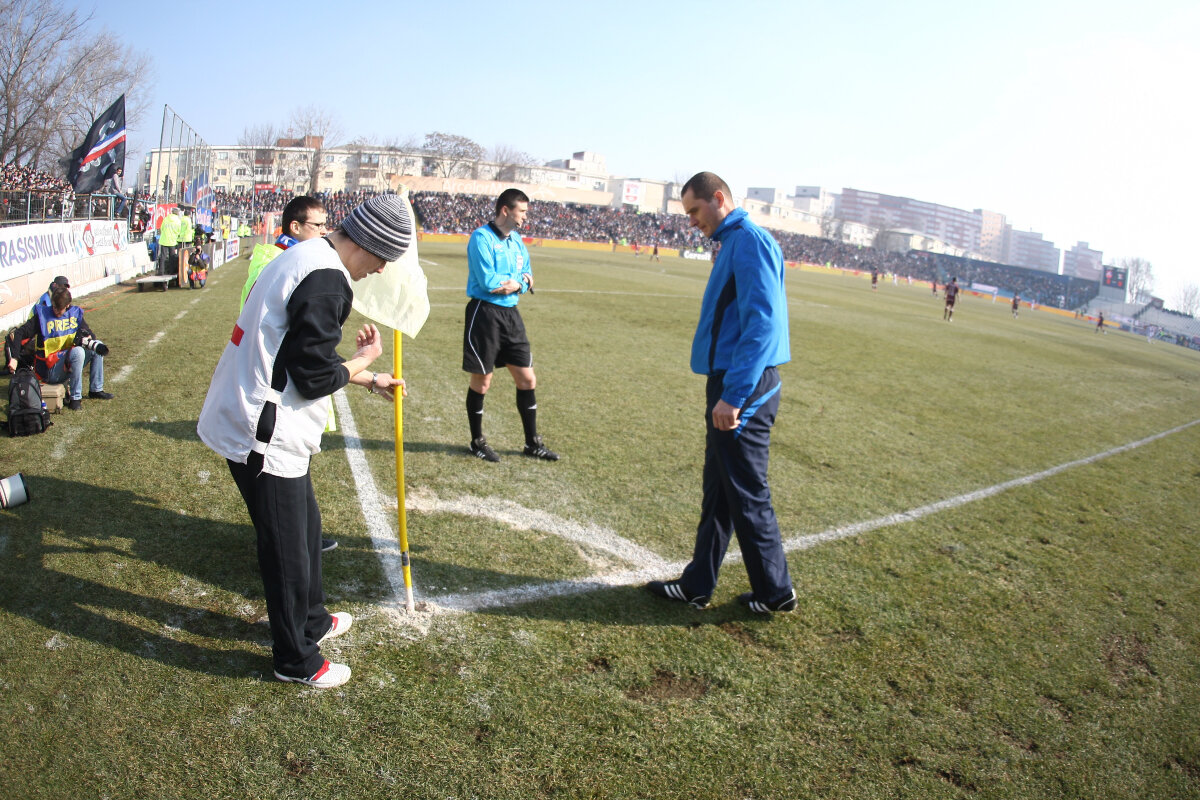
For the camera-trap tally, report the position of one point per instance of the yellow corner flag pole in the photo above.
(401, 516)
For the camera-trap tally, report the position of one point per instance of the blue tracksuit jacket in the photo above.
(743, 325)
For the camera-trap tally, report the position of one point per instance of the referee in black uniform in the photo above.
(493, 334)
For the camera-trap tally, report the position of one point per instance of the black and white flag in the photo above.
(102, 152)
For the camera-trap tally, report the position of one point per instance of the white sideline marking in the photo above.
(183, 313)
(64, 444)
(627, 294)
(651, 565)
(429, 262)
(540, 591)
(371, 503)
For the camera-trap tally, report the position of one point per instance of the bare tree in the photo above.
(451, 151)
(57, 71)
(318, 128)
(832, 225)
(1140, 280)
(512, 164)
(404, 157)
(1187, 300)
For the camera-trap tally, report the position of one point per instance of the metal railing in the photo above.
(28, 207)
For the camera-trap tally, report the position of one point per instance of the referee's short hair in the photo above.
(509, 199)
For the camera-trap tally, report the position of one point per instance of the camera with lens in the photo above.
(95, 345)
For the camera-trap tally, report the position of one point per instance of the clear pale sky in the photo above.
(1075, 119)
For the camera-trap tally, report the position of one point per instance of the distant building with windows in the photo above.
(954, 226)
(1083, 262)
(1029, 249)
(303, 164)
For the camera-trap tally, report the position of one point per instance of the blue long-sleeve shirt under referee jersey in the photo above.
(743, 325)
(493, 259)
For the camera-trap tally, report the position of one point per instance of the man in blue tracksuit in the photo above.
(741, 338)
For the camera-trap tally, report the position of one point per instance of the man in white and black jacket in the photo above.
(265, 413)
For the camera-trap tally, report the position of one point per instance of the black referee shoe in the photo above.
(787, 604)
(539, 450)
(481, 449)
(328, 544)
(671, 590)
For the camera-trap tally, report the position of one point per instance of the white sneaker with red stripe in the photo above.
(341, 623)
(327, 677)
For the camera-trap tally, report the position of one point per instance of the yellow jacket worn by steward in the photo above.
(168, 234)
(187, 231)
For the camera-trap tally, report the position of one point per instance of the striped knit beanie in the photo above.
(381, 226)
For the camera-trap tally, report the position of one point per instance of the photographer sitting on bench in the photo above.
(64, 346)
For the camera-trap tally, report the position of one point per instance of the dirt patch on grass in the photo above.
(1056, 707)
(669, 686)
(955, 778)
(599, 664)
(1126, 657)
(1187, 766)
(738, 632)
(297, 767)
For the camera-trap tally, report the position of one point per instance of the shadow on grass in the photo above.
(335, 441)
(91, 598)
(185, 430)
(629, 606)
(595, 604)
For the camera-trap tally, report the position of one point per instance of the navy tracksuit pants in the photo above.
(288, 523)
(737, 498)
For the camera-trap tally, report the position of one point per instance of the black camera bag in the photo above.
(26, 414)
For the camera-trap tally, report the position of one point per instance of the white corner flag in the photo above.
(398, 297)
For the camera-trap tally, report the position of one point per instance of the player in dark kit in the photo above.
(874, 280)
(951, 297)
(1016, 308)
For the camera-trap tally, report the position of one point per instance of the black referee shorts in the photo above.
(494, 336)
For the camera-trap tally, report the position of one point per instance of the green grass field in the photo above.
(1042, 642)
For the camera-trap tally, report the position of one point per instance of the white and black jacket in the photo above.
(266, 393)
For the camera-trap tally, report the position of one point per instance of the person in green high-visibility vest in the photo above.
(168, 240)
(187, 231)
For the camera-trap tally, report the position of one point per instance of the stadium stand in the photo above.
(440, 212)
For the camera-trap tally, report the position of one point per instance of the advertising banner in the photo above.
(29, 248)
(99, 237)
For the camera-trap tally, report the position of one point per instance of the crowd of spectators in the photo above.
(440, 212)
(252, 207)
(16, 178)
(1044, 288)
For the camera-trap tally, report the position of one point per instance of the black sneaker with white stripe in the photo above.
(671, 590)
(481, 449)
(537, 449)
(787, 604)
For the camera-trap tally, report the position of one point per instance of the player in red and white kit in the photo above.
(951, 297)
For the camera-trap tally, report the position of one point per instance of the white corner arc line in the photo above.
(540, 591)
(522, 518)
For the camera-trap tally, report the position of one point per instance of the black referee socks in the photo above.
(527, 408)
(475, 413)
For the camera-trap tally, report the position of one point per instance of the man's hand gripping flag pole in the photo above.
(398, 298)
